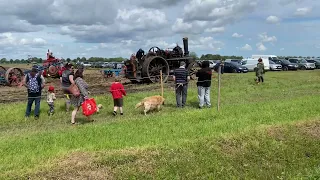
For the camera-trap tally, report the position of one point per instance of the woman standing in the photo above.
(84, 93)
(260, 71)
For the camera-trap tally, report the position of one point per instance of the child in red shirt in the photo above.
(117, 91)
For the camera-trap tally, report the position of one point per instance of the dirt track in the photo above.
(97, 85)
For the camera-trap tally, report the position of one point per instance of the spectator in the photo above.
(50, 100)
(66, 80)
(259, 71)
(204, 82)
(34, 82)
(84, 93)
(181, 78)
(117, 91)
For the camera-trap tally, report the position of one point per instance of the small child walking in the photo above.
(117, 91)
(50, 100)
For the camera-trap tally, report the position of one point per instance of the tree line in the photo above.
(120, 59)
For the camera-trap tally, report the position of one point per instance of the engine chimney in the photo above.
(185, 46)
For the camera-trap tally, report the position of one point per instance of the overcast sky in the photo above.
(112, 28)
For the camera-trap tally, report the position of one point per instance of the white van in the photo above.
(251, 63)
(269, 57)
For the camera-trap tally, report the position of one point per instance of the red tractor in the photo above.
(52, 67)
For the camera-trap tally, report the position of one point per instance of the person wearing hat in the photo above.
(181, 78)
(34, 82)
(50, 100)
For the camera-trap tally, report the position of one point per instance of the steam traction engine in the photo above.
(146, 68)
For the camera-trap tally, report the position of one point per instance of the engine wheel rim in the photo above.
(154, 68)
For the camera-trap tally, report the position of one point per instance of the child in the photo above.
(50, 100)
(117, 91)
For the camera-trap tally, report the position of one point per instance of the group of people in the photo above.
(35, 83)
(182, 78)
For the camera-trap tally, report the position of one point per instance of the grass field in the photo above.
(267, 131)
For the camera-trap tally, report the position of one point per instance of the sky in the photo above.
(113, 28)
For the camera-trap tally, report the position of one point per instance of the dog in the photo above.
(99, 107)
(151, 103)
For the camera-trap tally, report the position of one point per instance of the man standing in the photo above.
(181, 78)
(35, 82)
(204, 82)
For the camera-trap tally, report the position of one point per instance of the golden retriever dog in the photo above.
(151, 103)
(99, 107)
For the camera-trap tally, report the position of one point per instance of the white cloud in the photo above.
(272, 19)
(205, 43)
(236, 35)
(215, 30)
(246, 47)
(302, 11)
(265, 38)
(261, 47)
(282, 49)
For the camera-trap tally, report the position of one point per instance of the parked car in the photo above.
(231, 67)
(303, 64)
(315, 61)
(234, 60)
(286, 65)
(274, 66)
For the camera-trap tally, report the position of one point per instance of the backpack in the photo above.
(34, 84)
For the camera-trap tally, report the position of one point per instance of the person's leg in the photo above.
(115, 106)
(120, 106)
(201, 96)
(178, 95)
(184, 94)
(67, 98)
(262, 79)
(73, 115)
(37, 107)
(29, 105)
(207, 96)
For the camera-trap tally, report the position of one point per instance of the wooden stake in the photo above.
(161, 83)
(219, 86)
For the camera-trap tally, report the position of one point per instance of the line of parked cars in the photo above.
(271, 64)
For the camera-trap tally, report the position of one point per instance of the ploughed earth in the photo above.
(98, 84)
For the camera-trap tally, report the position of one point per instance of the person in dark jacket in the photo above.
(204, 83)
(181, 78)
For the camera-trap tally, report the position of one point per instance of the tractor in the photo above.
(52, 67)
(11, 77)
(146, 67)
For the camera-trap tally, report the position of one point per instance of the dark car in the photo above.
(231, 67)
(286, 65)
(315, 61)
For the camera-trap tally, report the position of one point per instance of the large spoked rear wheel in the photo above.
(151, 69)
(14, 76)
(193, 68)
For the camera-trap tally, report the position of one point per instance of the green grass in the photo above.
(176, 143)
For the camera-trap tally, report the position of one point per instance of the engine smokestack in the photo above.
(185, 46)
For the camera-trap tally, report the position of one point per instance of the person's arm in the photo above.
(43, 81)
(122, 90)
(61, 80)
(82, 89)
(71, 79)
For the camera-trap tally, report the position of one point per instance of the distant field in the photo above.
(268, 131)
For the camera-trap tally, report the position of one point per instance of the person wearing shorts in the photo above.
(117, 91)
